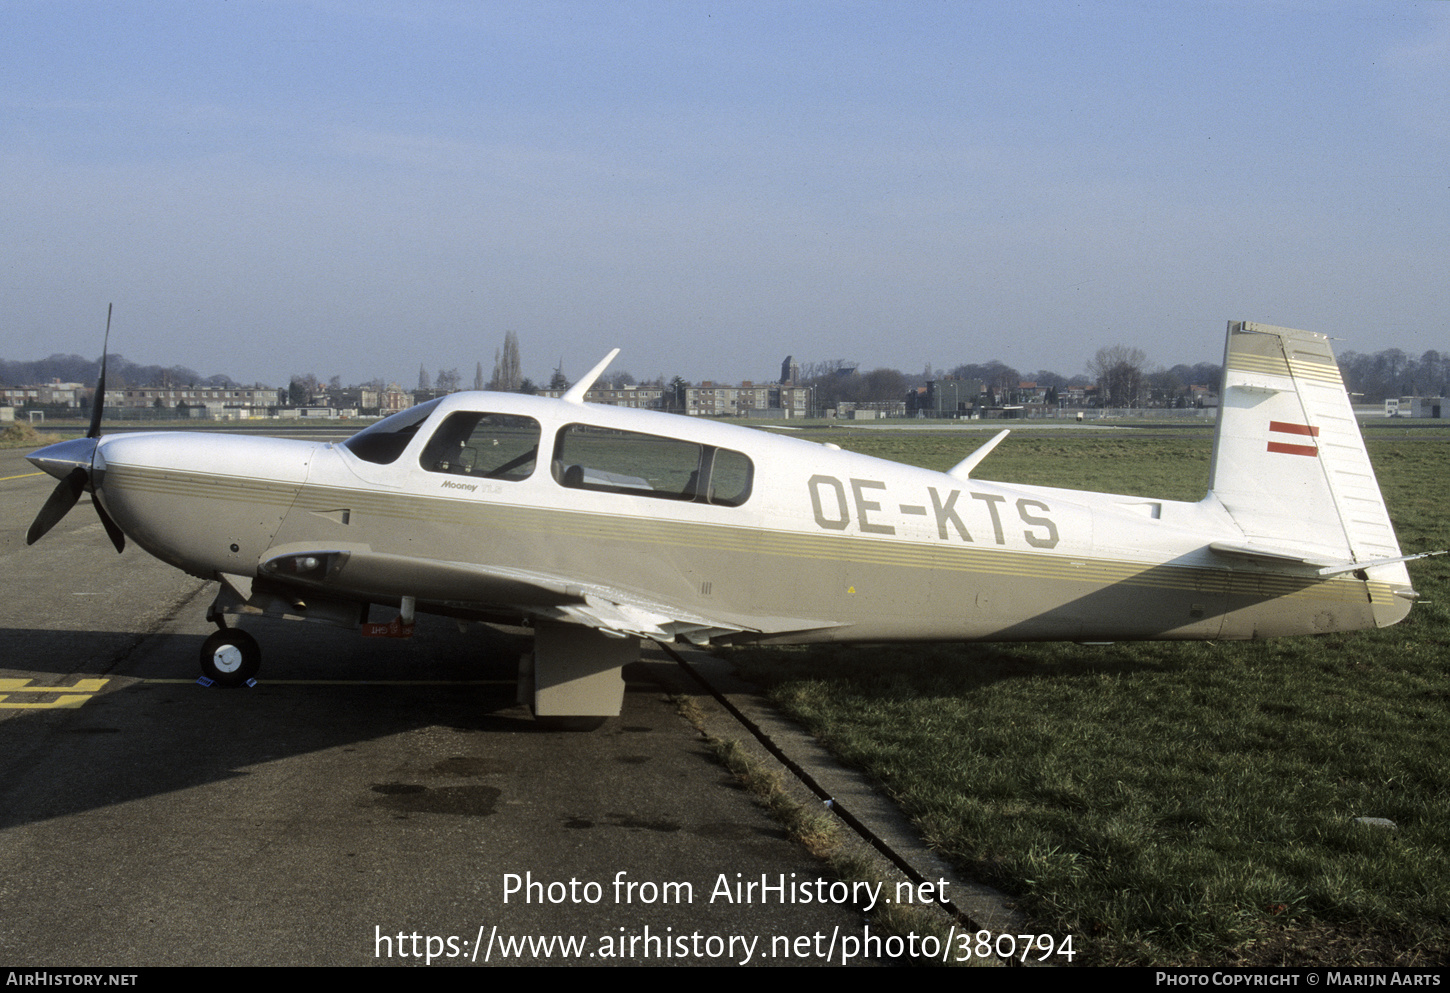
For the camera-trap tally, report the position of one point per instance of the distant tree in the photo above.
(827, 367)
(1046, 379)
(1201, 374)
(1434, 370)
(478, 376)
(677, 395)
(334, 384)
(424, 382)
(994, 375)
(448, 379)
(507, 367)
(884, 386)
(1119, 372)
(512, 364)
(559, 381)
(527, 385)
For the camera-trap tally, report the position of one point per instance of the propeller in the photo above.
(73, 463)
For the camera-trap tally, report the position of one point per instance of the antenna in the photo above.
(575, 393)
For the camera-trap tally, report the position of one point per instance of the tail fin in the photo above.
(1289, 462)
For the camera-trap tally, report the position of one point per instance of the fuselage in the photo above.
(778, 538)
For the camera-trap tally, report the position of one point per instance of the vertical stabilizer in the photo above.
(1289, 462)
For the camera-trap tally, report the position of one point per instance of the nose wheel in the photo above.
(230, 657)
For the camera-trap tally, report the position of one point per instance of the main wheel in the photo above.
(230, 657)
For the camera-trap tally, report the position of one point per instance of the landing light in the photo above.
(314, 567)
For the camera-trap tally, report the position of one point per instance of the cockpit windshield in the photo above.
(384, 441)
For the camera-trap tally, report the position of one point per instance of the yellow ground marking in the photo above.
(23, 475)
(360, 682)
(70, 696)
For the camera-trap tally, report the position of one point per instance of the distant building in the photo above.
(1432, 407)
(52, 394)
(637, 397)
(709, 399)
(394, 399)
(947, 398)
(245, 400)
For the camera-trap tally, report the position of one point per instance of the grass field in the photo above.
(1171, 803)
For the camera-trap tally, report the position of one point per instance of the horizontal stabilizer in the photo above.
(1339, 570)
(1321, 566)
(1267, 554)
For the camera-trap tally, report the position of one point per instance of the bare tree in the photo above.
(1119, 372)
(507, 367)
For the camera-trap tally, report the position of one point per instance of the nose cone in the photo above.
(64, 457)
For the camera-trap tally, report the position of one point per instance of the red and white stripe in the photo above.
(1299, 430)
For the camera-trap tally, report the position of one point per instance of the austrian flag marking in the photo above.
(1302, 430)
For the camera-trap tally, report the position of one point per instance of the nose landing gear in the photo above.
(230, 657)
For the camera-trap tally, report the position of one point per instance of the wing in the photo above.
(360, 574)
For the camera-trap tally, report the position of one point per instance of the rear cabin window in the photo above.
(384, 441)
(594, 458)
(488, 446)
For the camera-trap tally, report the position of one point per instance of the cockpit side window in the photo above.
(488, 446)
(610, 461)
(384, 441)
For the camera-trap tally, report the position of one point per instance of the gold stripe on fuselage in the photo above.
(633, 531)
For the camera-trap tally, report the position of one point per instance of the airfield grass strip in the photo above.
(22, 435)
(1168, 802)
(820, 834)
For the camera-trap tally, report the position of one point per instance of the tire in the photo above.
(230, 657)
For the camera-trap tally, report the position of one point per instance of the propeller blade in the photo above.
(98, 403)
(78, 456)
(113, 530)
(61, 500)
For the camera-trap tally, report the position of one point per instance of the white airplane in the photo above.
(601, 526)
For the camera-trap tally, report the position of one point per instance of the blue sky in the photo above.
(357, 188)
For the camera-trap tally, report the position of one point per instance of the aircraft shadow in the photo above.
(160, 731)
